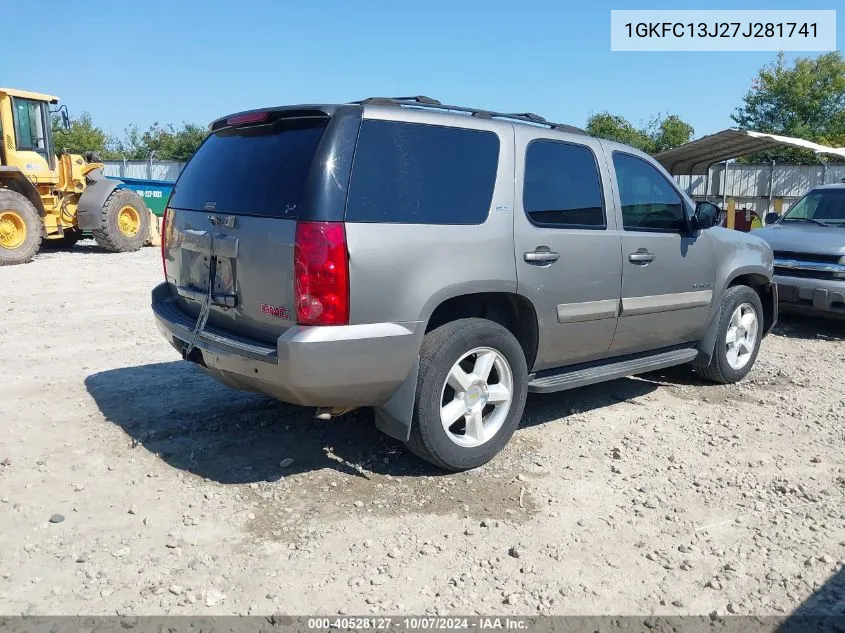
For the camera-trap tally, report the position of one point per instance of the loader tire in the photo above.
(124, 223)
(21, 229)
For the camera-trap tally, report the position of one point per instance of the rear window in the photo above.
(413, 173)
(257, 170)
(562, 187)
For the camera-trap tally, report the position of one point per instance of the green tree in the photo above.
(131, 145)
(164, 142)
(83, 136)
(669, 132)
(805, 99)
(170, 143)
(616, 128)
(661, 133)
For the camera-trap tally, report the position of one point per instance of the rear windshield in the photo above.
(413, 173)
(257, 170)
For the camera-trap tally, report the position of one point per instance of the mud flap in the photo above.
(707, 344)
(89, 211)
(394, 417)
(773, 313)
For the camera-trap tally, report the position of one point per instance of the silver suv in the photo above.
(809, 249)
(438, 263)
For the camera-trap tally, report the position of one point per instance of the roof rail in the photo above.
(434, 104)
(418, 100)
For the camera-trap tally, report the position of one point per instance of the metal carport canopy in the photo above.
(696, 156)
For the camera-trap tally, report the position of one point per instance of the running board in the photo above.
(570, 378)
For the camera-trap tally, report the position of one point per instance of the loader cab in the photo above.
(27, 134)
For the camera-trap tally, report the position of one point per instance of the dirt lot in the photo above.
(655, 495)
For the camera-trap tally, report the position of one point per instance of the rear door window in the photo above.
(412, 173)
(256, 170)
(561, 186)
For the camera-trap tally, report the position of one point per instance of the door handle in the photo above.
(541, 256)
(642, 256)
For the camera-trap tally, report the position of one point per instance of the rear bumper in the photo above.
(337, 366)
(822, 297)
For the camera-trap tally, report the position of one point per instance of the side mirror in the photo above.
(771, 218)
(65, 120)
(707, 215)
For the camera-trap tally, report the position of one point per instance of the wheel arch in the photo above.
(511, 310)
(762, 284)
(13, 179)
(757, 279)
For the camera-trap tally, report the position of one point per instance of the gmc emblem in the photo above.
(280, 312)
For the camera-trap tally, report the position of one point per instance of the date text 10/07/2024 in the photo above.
(419, 623)
(722, 29)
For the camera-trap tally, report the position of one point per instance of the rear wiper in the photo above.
(819, 222)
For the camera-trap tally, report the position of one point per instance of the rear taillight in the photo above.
(321, 274)
(164, 242)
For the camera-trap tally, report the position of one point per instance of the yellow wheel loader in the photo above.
(47, 198)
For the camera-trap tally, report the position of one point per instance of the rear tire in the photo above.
(740, 328)
(124, 224)
(21, 229)
(481, 412)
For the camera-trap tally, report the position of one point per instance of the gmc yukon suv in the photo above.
(438, 263)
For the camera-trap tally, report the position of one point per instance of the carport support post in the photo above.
(706, 185)
(771, 186)
(823, 161)
(725, 186)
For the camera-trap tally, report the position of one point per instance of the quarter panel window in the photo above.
(562, 186)
(413, 173)
(649, 202)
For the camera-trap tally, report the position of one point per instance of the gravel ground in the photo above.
(133, 484)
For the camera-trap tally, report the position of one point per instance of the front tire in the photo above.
(738, 339)
(471, 391)
(124, 223)
(21, 229)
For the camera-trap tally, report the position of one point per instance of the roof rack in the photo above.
(421, 101)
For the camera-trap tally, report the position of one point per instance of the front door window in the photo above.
(649, 202)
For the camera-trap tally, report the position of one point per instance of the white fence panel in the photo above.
(148, 170)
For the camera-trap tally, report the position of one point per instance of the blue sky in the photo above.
(142, 61)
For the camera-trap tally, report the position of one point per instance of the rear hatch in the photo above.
(238, 202)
